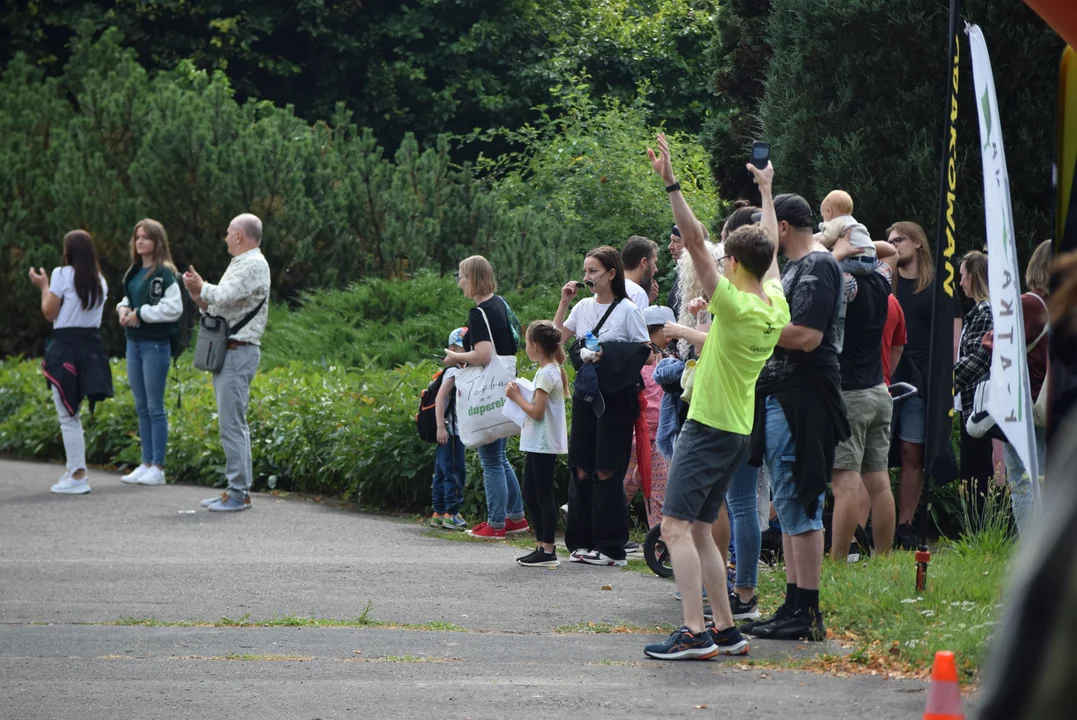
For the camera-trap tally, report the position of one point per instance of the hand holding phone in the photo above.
(760, 154)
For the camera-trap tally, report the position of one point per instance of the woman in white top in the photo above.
(599, 447)
(75, 364)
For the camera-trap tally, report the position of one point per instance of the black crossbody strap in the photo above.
(250, 316)
(602, 322)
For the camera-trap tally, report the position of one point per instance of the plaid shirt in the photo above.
(974, 360)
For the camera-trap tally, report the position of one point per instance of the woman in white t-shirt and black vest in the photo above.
(600, 440)
(75, 364)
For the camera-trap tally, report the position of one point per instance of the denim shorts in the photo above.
(913, 416)
(781, 454)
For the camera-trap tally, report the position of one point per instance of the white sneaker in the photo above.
(132, 477)
(153, 476)
(597, 558)
(69, 486)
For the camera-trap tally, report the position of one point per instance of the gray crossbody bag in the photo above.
(213, 334)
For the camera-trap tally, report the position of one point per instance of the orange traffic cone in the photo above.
(944, 695)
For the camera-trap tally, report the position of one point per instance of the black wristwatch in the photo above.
(673, 188)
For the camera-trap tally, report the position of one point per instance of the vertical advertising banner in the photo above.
(940, 380)
(1010, 398)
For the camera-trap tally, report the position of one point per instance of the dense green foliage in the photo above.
(867, 115)
(106, 144)
(739, 59)
(421, 66)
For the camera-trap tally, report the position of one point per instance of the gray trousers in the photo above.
(232, 386)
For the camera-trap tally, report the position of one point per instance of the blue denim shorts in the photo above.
(781, 454)
(913, 415)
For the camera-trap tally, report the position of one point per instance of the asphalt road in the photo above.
(71, 565)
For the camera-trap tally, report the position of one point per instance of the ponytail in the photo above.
(546, 335)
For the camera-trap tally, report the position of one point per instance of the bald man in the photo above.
(241, 298)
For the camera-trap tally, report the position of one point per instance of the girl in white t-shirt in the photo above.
(543, 438)
(75, 365)
(597, 528)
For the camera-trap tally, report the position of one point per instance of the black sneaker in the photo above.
(729, 641)
(632, 548)
(801, 625)
(744, 610)
(683, 645)
(905, 538)
(751, 627)
(529, 556)
(539, 558)
(863, 541)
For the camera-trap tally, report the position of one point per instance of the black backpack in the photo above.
(181, 339)
(426, 419)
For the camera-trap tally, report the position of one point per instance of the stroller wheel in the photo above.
(656, 553)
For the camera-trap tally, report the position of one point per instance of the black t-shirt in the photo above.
(503, 324)
(815, 289)
(865, 317)
(917, 310)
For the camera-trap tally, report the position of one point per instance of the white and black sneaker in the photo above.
(594, 557)
(632, 548)
(539, 558)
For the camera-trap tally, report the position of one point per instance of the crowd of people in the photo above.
(744, 369)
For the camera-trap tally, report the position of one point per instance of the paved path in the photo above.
(132, 552)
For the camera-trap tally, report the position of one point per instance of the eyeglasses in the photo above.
(895, 241)
(459, 276)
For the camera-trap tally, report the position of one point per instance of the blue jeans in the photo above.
(147, 373)
(447, 492)
(781, 455)
(503, 497)
(1019, 481)
(741, 499)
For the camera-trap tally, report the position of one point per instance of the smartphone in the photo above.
(760, 154)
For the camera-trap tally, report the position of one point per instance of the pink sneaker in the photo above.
(516, 527)
(485, 532)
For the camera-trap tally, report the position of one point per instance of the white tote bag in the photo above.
(480, 398)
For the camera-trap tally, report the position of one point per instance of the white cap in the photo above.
(658, 315)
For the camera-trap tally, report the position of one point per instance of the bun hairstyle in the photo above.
(546, 335)
(742, 203)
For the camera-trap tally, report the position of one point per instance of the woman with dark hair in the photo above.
(504, 501)
(603, 417)
(75, 364)
(151, 306)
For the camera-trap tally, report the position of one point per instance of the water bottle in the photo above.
(591, 342)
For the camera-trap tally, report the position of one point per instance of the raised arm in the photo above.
(567, 293)
(765, 180)
(691, 230)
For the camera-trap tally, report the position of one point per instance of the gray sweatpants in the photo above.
(232, 386)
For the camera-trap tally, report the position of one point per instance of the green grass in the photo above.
(874, 611)
(363, 621)
(603, 628)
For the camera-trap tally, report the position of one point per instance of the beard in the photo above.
(904, 262)
(645, 282)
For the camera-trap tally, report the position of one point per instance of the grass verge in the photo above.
(618, 628)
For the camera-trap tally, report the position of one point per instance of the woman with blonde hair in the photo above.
(149, 313)
(973, 366)
(1036, 317)
(492, 328)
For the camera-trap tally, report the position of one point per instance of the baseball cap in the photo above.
(676, 231)
(791, 208)
(586, 388)
(456, 337)
(658, 315)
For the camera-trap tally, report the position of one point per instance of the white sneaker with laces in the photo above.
(597, 558)
(153, 476)
(70, 486)
(132, 477)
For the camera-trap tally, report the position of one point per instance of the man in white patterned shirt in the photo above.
(242, 298)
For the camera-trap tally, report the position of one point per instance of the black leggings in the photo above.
(539, 496)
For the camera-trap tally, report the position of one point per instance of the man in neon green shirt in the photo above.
(749, 311)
